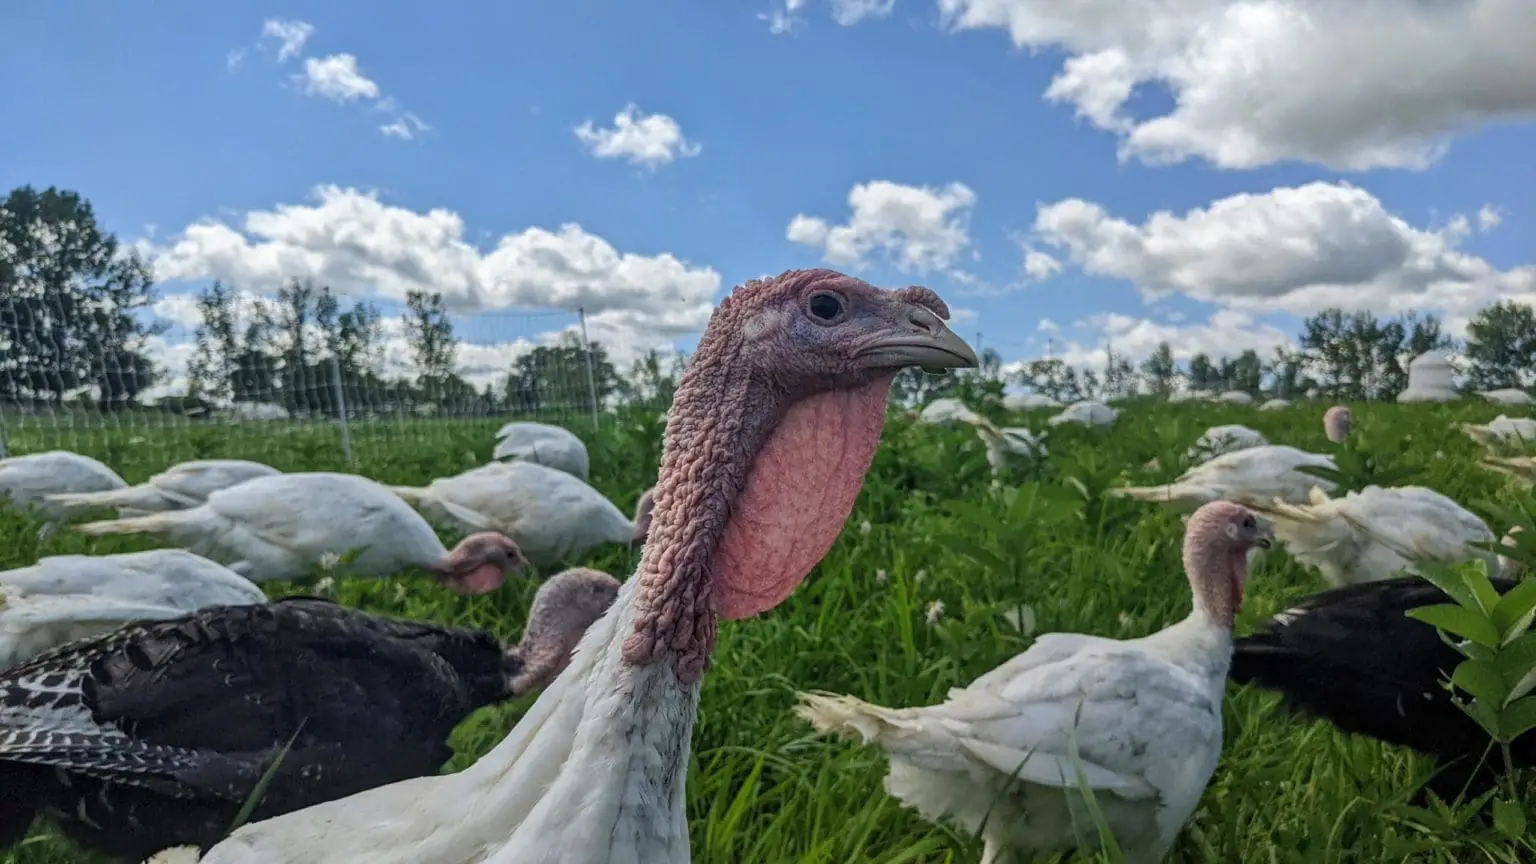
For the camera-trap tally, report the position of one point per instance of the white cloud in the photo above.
(1038, 265)
(649, 140)
(234, 58)
(1488, 218)
(783, 18)
(851, 12)
(1227, 333)
(405, 126)
(1372, 83)
(336, 77)
(963, 316)
(290, 36)
(919, 229)
(1046, 325)
(363, 247)
(1294, 249)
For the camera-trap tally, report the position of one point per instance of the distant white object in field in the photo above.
(1502, 430)
(1219, 440)
(1274, 405)
(1338, 421)
(1265, 473)
(256, 411)
(1138, 719)
(945, 411)
(1088, 412)
(29, 480)
(1378, 532)
(1191, 396)
(179, 487)
(1431, 378)
(1009, 441)
(1028, 402)
(1235, 397)
(1509, 567)
(281, 527)
(66, 597)
(553, 516)
(552, 446)
(1507, 396)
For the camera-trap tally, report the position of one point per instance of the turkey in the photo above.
(281, 527)
(1235, 397)
(944, 411)
(1008, 441)
(67, 597)
(1264, 473)
(1377, 532)
(1352, 656)
(1146, 715)
(1028, 402)
(30, 479)
(773, 427)
(155, 735)
(179, 487)
(1275, 405)
(1507, 396)
(553, 516)
(541, 443)
(1087, 412)
(1218, 440)
(1501, 431)
(1337, 423)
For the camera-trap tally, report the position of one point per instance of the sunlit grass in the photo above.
(761, 787)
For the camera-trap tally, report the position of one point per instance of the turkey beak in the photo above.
(920, 338)
(1266, 536)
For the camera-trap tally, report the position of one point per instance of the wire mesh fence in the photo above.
(246, 375)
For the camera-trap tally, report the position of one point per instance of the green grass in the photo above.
(761, 787)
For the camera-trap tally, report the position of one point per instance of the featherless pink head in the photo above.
(1217, 540)
(1337, 423)
(768, 439)
(563, 608)
(480, 563)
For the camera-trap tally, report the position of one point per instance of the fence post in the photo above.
(341, 408)
(586, 352)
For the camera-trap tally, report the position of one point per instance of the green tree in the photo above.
(555, 377)
(1501, 346)
(1203, 374)
(1160, 370)
(68, 301)
(1246, 373)
(429, 333)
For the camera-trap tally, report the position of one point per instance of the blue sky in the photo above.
(1301, 156)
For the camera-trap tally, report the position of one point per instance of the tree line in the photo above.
(76, 320)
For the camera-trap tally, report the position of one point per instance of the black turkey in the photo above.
(1353, 657)
(156, 734)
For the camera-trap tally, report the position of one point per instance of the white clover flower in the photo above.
(329, 560)
(880, 577)
(934, 613)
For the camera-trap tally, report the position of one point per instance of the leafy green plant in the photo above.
(1361, 464)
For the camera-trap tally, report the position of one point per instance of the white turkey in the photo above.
(1088, 412)
(66, 597)
(1028, 402)
(1235, 397)
(1139, 718)
(1191, 396)
(1377, 533)
(553, 516)
(1507, 396)
(1502, 430)
(773, 427)
(1218, 440)
(1275, 405)
(179, 487)
(945, 411)
(1264, 473)
(1001, 443)
(551, 446)
(283, 526)
(29, 480)
(156, 734)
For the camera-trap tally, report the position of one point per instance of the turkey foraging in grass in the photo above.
(281, 527)
(30, 479)
(997, 756)
(772, 428)
(1352, 656)
(184, 485)
(156, 735)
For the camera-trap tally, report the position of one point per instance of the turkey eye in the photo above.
(1248, 523)
(825, 306)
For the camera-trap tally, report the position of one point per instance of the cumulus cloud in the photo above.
(1227, 333)
(784, 16)
(647, 140)
(337, 78)
(289, 36)
(918, 229)
(1293, 249)
(1372, 83)
(365, 248)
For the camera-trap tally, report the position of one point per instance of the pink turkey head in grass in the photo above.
(643, 510)
(1337, 422)
(565, 606)
(1217, 539)
(771, 431)
(480, 563)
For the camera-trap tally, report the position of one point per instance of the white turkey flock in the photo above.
(180, 487)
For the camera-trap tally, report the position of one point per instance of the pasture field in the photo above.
(929, 528)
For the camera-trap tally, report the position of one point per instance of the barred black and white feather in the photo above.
(156, 734)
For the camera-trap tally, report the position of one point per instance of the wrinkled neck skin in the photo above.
(1208, 628)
